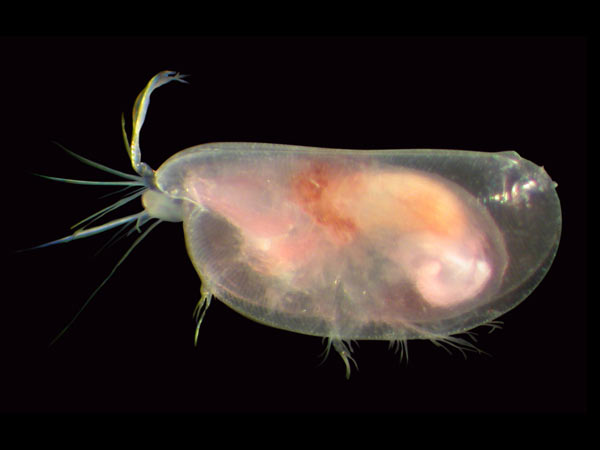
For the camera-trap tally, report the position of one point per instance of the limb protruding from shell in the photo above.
(344, 349)
(200, 311)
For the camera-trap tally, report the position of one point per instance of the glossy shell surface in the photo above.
(365, 244)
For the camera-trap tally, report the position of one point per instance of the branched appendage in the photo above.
(140, 108)
(400, 345)
(325, 353)
(493, 325)
(200, 311)
(463, 345)
(442, 341)
(460, 344)
(344, 349)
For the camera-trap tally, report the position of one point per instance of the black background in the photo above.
(132, 348)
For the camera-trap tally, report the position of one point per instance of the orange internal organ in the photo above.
(316, 191)
(345, 204)
(411, 202)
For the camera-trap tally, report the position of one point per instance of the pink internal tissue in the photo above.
(300, 223)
